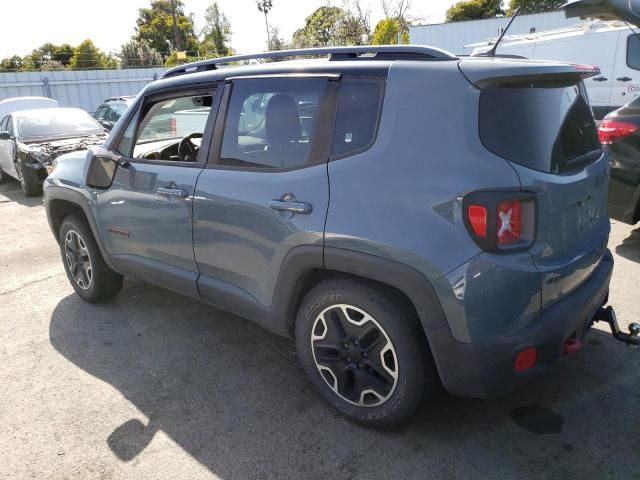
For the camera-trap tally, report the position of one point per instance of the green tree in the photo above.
(155, 26)
(43, 54)
(387, 30)
(264, 7)
(28, 65)
(474, 10)
(330, 26)
(87, 56)
(11, 64)
(276, 42)
(63, 54)
(216, 33)
(534, 6)
(51, 65)
(137, 54)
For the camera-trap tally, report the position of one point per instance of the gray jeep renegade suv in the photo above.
(411, 218)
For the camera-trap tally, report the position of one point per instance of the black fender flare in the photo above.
(404, 278)
(414, 284)
(52, 193)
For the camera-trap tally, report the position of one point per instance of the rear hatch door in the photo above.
(536, 116)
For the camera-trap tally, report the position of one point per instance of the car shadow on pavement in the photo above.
(630, 246)
(235, 398)
(10, 189)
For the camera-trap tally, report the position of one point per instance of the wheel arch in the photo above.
(61, 202)
(403, 284)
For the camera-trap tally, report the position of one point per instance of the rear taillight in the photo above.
(509, 222)
(500, 220)
(611, 131)
(477, 215)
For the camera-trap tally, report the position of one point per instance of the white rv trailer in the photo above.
(612, 46)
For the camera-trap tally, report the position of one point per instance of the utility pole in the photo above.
(176, 37)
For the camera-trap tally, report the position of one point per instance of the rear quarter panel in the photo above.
(400, 200)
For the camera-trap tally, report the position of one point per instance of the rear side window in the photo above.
(358, 114)
(633, 52)
(544, 126)
(272, 122)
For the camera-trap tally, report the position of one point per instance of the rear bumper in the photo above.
(486, 369)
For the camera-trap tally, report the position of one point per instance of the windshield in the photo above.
(56, 122)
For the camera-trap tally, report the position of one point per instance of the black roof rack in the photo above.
(373, 52)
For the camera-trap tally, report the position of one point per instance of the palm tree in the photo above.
(265, 7)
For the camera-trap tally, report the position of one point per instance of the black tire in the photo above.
(29, 182)
(2, 175)
(407, 359)
(102, 283)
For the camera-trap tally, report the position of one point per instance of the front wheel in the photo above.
(362, 353)
(28, 180)
(90, 276)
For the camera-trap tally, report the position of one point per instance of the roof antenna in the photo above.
(492, 52)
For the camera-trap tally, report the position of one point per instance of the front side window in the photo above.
(272, 122)
(99, 115)
(633, 52)
(171, 129)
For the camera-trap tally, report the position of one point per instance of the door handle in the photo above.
(172, 192)
(600, 79)
(624, 79)
(293, 207)
(288, 203)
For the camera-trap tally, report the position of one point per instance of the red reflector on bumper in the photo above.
(572, 345)
(526, 359)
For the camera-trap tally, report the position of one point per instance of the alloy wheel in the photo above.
(78, 260)
(354, 355)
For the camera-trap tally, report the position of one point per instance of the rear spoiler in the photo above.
(627, 10)
(485, 72)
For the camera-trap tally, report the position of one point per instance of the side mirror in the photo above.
(102, 171)
(4, 135)
(106, 125)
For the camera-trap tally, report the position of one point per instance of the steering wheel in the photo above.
(187, 151)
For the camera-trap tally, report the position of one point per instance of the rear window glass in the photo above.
(543, 126)
(633, 52)
(357, 117)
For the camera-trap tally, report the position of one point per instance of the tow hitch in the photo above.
(607, 314)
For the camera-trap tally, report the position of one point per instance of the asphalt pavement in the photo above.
(152, 385)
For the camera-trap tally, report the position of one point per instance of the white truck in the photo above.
(610, 45)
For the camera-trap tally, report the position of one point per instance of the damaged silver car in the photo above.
(31, 140)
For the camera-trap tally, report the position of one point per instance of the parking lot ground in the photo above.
(152, 385)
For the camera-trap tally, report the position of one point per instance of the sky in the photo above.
(27, 24)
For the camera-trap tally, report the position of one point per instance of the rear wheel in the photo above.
(28, 180)
(87, 271)
(2, 175)
(362, 353)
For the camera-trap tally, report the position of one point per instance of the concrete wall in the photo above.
(84, 89)
(454, 36)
